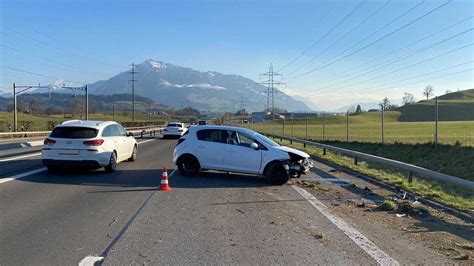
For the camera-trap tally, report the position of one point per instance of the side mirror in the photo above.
(254, 146)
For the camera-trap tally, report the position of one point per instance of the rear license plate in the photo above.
(68, 152)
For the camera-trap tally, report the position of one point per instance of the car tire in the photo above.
(134, 154)
(188, 165)
(112, 166)
(276, 174)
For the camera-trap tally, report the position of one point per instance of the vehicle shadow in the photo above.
(211, 179)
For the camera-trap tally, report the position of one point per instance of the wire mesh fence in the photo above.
(436, 122)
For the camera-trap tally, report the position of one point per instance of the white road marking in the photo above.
(145, 141)
(7, 179)
(363, 242)
(91, 261)
(19, 157)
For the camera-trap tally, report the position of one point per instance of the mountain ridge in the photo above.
(178, 86)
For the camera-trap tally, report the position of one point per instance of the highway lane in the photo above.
(60, 219)
(213, 218)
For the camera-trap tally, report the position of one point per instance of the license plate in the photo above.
(68, 152)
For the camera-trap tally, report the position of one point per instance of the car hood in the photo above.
(295, 151)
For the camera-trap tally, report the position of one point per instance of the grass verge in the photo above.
(442, 192)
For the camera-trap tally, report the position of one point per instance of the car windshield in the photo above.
(266, 140)
(173, 125)
(74, 133)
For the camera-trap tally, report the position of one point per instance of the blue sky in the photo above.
(85, 41)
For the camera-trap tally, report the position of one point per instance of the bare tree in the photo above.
(408, 98)
(428, 92)
(385, 103)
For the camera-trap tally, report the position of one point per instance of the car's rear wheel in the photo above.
(134, 154)
(188, 165)
(112, 166)
(277, 174)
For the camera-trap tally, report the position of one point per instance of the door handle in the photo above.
(200, 146)
(230, 150)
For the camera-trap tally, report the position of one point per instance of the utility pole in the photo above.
(86, 90)
(133, 80)
(15, 93)
(271, 90)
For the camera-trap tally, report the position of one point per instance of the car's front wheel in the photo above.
(277, 174)
(112, 166)
(188, 165)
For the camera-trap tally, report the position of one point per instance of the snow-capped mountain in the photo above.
(180, 86)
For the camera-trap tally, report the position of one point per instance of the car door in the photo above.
(121, 142)
(239, 156)
(209, 148)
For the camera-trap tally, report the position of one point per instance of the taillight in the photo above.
(180, 141)
(96, 142)
(49, 141)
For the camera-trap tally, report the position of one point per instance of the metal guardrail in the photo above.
(20, 135)
(412, 169)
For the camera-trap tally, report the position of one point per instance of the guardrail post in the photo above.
(355, 160)
(324, 151)
(410, 177)
(141, 135)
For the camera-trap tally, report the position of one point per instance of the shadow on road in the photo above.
(210, 179)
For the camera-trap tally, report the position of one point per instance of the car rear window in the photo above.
(173, 125)
(213, 135)
(74, 133)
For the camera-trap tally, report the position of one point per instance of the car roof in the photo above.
(240, 129)
(86, 123)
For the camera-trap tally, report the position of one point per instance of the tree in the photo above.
(77, 107)
(33, 106)
(428, 92)
(385, 103)
(408, 98)
(358, 109)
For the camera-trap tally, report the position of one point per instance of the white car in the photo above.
(88, 144)
(234, 149)
(174, 129)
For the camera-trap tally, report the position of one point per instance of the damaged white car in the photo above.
(240, 150)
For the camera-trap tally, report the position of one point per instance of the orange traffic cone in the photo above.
(164, 181)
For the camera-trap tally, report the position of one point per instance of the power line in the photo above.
(374, 42)
(344, 74)
(45, 44)
(342, 37)
(403, 68)
(348, 15)
(379, 66)
(415, 82)
(39, 75)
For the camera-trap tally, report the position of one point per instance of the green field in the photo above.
(367, 127)
(40, 123)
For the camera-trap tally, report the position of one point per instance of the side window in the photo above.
(107, 132)
(121, 131)
(245, 140)
(212, 135)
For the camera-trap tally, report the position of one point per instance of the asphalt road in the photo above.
(213, 218)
